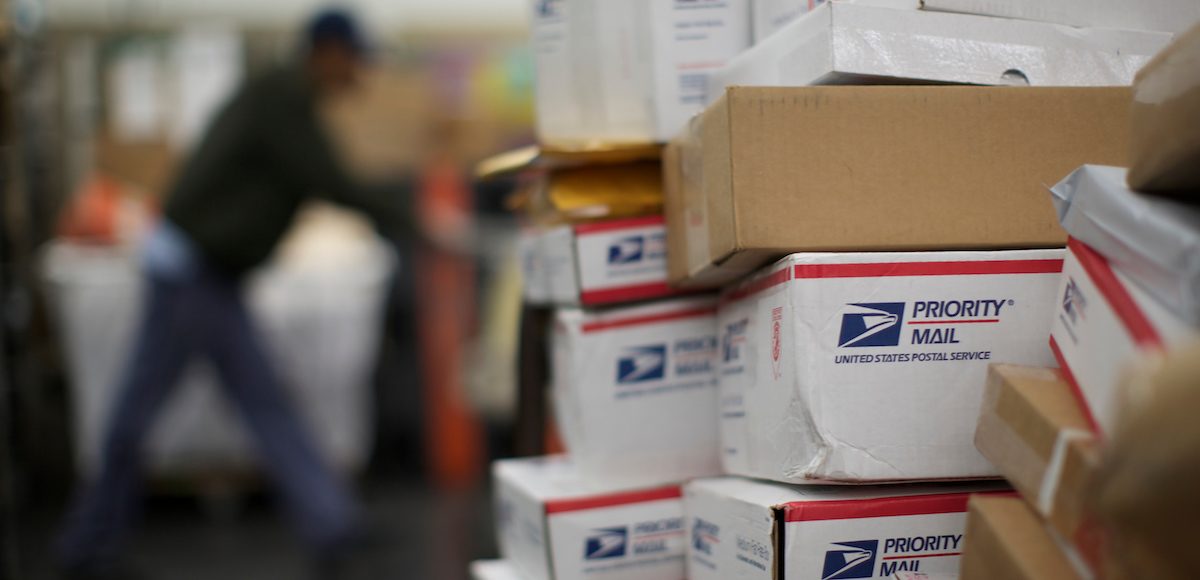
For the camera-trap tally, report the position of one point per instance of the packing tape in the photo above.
(1054, 468)
(1074, 558)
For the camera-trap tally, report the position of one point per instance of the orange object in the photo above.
(446, 316)
(91, 215)
(553, 442)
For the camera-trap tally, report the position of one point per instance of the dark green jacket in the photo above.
(264, 154)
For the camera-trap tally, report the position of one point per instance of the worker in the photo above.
(264, 154)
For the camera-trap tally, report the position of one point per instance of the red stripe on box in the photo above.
(612, 500)
(888, 269)
(751, 288)
(622, 224)
(1114, 291)
(977, 321)
(921, 556)
(911, 505)
(1074, 384)
(648, 319)
(626, 294)
(892, 269)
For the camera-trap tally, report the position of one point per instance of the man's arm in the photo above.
(297, 143)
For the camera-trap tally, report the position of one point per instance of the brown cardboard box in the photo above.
(1165, 152)
(1032, 429)
(770, 170)
(672, 202)
(1006, 541)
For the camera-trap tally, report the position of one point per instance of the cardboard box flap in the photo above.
(1155, 241)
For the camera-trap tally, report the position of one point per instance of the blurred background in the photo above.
(399, 356)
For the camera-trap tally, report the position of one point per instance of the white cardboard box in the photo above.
(597, 264)
(744, 529)
(618, 71)
(494, 570)
(1102, 322)
(860, 367)
(846, 43)
(635, 390)
(1164, 15)
(553, 523)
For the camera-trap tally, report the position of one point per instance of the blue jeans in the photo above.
(193, 309)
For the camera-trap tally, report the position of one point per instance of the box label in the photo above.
(954, 323)
(643, 540)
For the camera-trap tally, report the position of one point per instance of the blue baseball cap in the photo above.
(336, 25)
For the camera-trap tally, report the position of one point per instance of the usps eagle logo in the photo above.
(627, 251)
(605, 543)
(641, 364)
(871, 324)
(850, 560)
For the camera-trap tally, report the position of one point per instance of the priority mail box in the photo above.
(851, 43)
(1154, 241)
(1165, 155)
(1163, 15)
(1006, 541)
(628, 71)
(494, 570)
(1102, 324)
(599, 263)
(635, 390)
(870, 367)
(1034, 431)
(745, 529)
(554, 524)
(770, 171)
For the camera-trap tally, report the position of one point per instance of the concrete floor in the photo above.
(422, 535)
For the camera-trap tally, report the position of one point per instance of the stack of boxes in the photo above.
(837, 268)
(1127, 298)
(632, 361)
(632, 381)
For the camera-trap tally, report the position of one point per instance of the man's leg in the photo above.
(103, 513)
(315, 497)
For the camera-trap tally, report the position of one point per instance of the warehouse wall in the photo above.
(390, 14)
